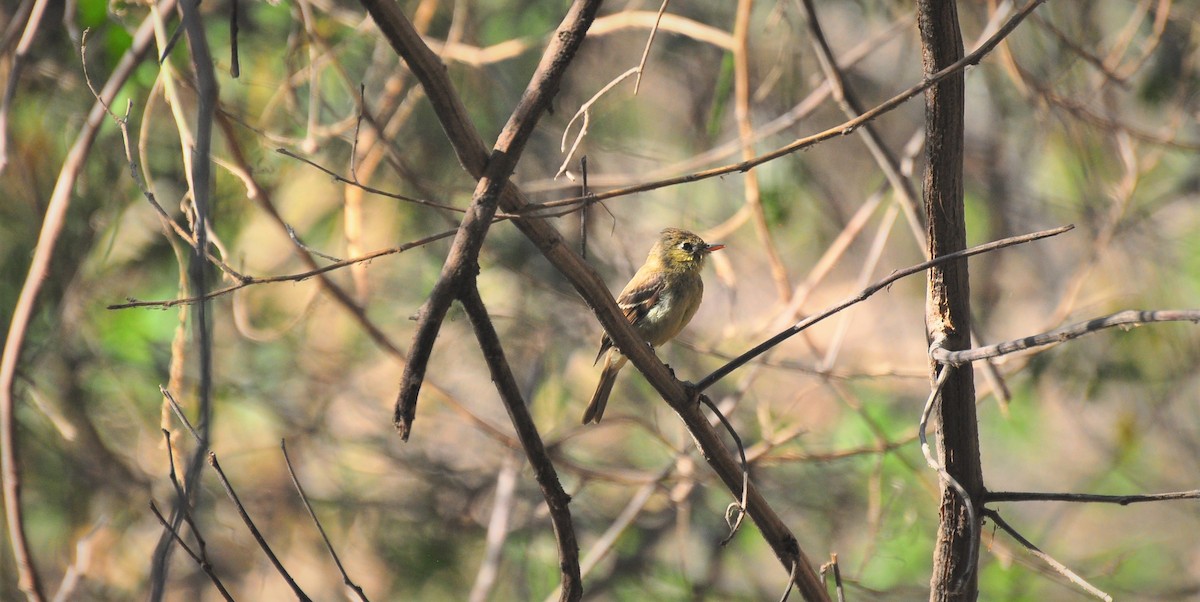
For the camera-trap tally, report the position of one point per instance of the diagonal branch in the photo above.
(595, 293)
(879, 285)
(1125, 319)
(1048, 559)
(557, 500)
(462, 261)
(844, 129)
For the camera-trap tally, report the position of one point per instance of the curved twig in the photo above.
(944, 474)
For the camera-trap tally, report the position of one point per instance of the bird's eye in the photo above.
(687, 246)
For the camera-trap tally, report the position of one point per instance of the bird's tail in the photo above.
(608, 377)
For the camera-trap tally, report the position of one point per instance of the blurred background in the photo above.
(1088, 115)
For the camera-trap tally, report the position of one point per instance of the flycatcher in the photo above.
(659, 301)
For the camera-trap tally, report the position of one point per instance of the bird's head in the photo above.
(682, 250)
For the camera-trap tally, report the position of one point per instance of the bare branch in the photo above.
(43, 254)
(199, 560)
(1054, 564)
(750, 185)
(844, 129)
(1126, 319)
(763, 347)
(312, 514)
(557, 500)
(462, 261)
(1123, 500)
(262, 543)
(297, 277)
(959, 490)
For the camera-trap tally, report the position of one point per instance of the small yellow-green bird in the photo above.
(659, 301)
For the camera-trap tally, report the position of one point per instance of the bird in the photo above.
(659, 301)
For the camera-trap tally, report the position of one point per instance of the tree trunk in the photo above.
(947, 312)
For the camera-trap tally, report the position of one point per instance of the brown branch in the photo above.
(354, 182)
(767, 345)
(496, 538)
(557, 500)
(945, 477)
(462, 260)
(297, 277)
(199, 177)
(1056, 565)
(200, 561)
(1123, 500)
(199, 556)
(262, 542)
(43, 254)
(738, 506)
(948, 309)
(469, 148)
(750, 185)
(241, 510)
(846, 128)
(313, 515)
(1125, 318)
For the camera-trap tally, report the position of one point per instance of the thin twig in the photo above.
(199, 560)
(212, 460)
(933, 463)
(738, 506)
(1127, 318)
(641, 68)
(1054, 564)
(585, 112)
(832, 568)
(791, 584)
(182, 418)
(752, 192)
(84, 550)
(353, 181)
(1123, 500)
(879, 285)
(497, 528)
(181, 498)
(312, 514)
(843, 129)
(262, 543)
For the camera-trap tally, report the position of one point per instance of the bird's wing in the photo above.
(641, 294)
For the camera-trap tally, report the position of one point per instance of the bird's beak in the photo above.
(711, 248)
